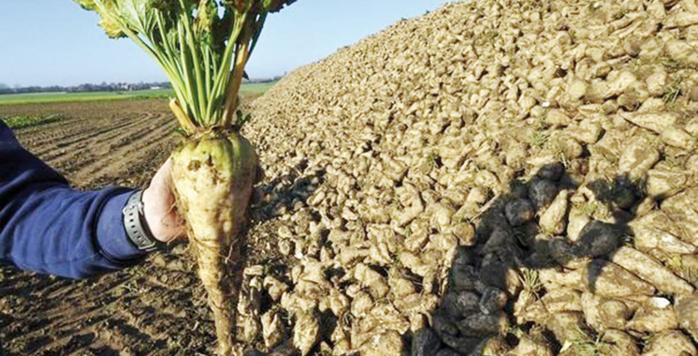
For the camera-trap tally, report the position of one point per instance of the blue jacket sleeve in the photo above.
(47, 227)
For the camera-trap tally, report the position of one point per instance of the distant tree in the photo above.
(4, 86)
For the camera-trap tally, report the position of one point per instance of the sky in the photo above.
(55, 42)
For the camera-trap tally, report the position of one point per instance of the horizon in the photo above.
(61, 45)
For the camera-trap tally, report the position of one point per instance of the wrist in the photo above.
(114, 242)
(136, 225)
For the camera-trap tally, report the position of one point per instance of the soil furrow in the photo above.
(97, 151)
(121, 158)
(68, 135)
(89, 135)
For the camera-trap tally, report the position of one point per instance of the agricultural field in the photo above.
(507, 178)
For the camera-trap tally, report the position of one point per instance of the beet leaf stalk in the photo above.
(203, 46)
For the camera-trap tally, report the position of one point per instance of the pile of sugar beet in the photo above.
(493, 178)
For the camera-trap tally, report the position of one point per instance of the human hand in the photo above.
(160, 209)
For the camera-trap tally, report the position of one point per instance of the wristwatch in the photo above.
(137, 227)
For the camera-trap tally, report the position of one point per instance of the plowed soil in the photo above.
(156, 308)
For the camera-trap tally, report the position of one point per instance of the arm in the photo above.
(47, 227)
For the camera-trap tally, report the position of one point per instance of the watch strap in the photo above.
(136, 226)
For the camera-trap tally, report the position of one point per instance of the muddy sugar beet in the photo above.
(213, 178)
(203, 47)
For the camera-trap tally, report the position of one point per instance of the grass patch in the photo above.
(256, 88)
(24, 121)
(64, 97)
